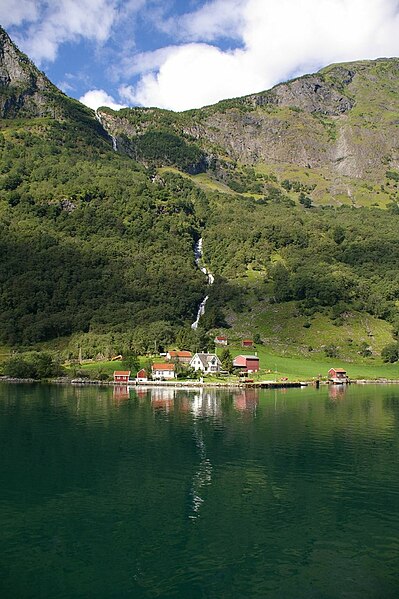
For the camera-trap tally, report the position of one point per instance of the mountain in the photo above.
(336, 130)
(88, 242)
(293, 191)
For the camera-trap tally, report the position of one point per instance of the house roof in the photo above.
(247, 340)
(206, 358)
(163, 367)
(338, 369)
(247, 357)
(122, 373)
(222, 337)
(180, 354)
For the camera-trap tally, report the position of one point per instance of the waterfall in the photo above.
(114, 142)
(210, 277)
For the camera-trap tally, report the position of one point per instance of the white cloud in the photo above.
(50, 24)
(98, 97)
(217, 19)
(277, 39)
(194, 75)
(15, 13)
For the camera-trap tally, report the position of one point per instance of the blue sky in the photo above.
(182, 55)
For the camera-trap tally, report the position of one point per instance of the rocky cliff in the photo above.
(338, 127)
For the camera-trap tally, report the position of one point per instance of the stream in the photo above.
(198, 259)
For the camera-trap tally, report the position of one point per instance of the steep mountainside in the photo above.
(337, 130)
(87, 240)
(285, 187)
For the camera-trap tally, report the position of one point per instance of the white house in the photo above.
(208, 363)
(163, 371)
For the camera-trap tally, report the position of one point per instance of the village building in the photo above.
(337, 376)
(121, 376)
(183, 357)
(142, 376)
(220, 340)
(208, 363)
(247, 343)
(246, 363)
(163, 371)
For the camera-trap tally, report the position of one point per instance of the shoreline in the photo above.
(267, 384)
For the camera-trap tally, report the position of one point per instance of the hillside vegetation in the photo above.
(294, 192)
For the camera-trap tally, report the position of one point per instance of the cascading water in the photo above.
(114, 142)
(211, 279)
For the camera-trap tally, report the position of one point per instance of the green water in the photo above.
(181, 494)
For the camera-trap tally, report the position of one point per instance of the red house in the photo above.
(121, 376)
(247, 343)
(247, 363)
(337, 376)
(142, 376)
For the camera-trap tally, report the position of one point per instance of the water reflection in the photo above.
(199, 492)
(337, 392)
(120, 392)
(246, 400)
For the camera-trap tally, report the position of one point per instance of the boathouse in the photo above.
(142, 376)
(246, 363)
(337, 375)
(121, 376)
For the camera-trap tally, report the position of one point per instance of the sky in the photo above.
(181, 55)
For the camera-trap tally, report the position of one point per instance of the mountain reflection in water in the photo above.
(167, 492)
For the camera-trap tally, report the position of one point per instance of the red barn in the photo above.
(247, 363)
(121, 376)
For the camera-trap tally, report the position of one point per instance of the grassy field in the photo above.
(274, 366)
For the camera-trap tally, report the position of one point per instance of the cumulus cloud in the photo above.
(50, 24)
(15, 13)
(98, 97)
(277, 40)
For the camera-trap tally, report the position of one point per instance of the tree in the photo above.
(390, 353)
(226, 359)
(131, 362)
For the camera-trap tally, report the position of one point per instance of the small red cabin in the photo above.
(247, 363)
(337, 375)
(247, 343)
(142, 376)
(121, 376)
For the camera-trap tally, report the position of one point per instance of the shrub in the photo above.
(390, 353)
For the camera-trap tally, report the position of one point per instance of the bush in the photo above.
(331, 351)
(39, 365)
(390, 353)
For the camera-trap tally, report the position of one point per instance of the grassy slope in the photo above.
(305, 368)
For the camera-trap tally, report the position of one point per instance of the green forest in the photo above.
(97, 246)
(88, 240)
